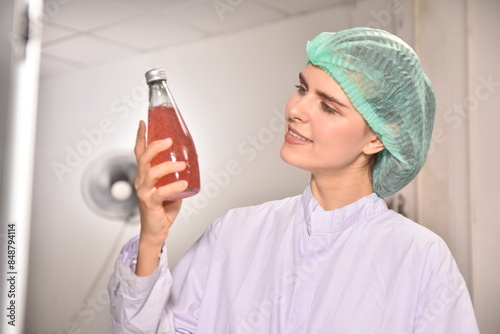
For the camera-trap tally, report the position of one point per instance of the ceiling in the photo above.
(81, 33)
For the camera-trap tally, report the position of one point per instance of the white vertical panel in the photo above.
(483, 101)
(444, 194)
(25, 39)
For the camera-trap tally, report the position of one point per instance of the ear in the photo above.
(375, 145)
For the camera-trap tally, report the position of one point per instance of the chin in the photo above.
(293, 159)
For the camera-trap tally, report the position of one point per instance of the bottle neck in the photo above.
(159, 94)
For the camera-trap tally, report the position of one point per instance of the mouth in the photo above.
(297, 135)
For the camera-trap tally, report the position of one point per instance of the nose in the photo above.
(297, 110)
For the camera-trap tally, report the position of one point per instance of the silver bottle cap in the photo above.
(155, 74)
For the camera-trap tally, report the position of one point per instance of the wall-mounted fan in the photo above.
(108, 186)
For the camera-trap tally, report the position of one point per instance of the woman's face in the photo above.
(325, 133)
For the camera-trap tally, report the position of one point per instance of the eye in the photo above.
(301, 89)
(328, 109)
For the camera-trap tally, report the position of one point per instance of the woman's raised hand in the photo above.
(157, 214)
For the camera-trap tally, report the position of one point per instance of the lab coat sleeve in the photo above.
(162, 303)
(137, 303)
(444, 304)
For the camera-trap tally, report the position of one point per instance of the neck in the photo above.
(335, 192)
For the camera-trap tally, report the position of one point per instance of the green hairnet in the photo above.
(384, 81)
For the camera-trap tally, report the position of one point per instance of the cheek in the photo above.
(344, 136)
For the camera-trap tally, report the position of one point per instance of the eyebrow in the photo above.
(322, 94)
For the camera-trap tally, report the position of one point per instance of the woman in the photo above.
(332, 260)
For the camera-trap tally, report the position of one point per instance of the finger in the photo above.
(155, 197)
(140, 141)
(140, 147)
(144, 160)
(171, 189)
(158, 171)
(153, 149)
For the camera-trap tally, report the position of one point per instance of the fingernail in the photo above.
(167, 141)
(180, 163)
(182, 183)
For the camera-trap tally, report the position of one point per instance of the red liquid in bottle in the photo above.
(163, 122)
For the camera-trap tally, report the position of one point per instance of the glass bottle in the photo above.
(165, 121)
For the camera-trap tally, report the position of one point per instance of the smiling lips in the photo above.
(293, 137)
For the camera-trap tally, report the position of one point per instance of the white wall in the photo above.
(230, 90)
